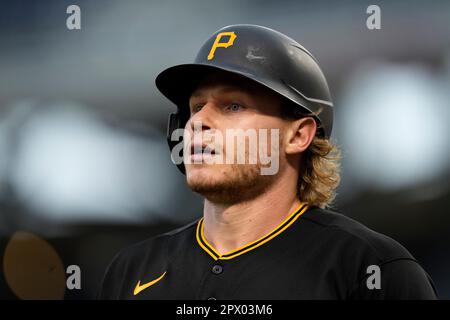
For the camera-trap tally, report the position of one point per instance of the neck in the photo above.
(228, 227)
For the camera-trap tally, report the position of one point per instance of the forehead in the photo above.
(228, 82)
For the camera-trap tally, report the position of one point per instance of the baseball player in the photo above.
(263, 234)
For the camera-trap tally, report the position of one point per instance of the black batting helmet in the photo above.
(258, 53)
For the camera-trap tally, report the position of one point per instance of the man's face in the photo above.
(220, 104)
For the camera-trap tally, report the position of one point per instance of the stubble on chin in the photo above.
(234, 183)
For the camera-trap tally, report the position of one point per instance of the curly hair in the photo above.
(319, 173)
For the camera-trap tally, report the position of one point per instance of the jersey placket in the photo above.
(220, 278)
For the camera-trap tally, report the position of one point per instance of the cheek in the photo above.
(270, 134)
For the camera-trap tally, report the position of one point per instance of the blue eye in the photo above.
(234, 107)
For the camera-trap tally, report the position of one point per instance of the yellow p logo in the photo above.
(218, 44)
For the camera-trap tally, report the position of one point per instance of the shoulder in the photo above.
(158, 245)
(150, 251)
(150, 256)
(355, 247)
(342, 230)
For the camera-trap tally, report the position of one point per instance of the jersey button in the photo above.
(217, 269)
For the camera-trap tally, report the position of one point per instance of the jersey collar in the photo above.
(201, 240)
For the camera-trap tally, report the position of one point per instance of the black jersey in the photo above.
(312, 254)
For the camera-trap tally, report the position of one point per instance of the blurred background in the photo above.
(84, 166)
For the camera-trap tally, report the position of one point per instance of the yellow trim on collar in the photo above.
(204, 244)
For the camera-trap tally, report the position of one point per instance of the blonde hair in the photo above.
(319, 173)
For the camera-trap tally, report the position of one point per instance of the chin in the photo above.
(204, 176)
(225, 183)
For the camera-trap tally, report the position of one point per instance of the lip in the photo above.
(199, 149)
(199, 153)
(199, 158)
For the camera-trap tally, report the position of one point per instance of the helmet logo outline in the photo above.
(217, 44)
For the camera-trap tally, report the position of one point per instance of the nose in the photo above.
(203, 119)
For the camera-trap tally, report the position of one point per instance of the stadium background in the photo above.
(83, 159)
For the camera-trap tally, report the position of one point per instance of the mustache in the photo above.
(198, 145)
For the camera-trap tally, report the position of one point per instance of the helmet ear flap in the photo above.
(175, 122)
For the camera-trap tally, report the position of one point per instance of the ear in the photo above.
(300, 135)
